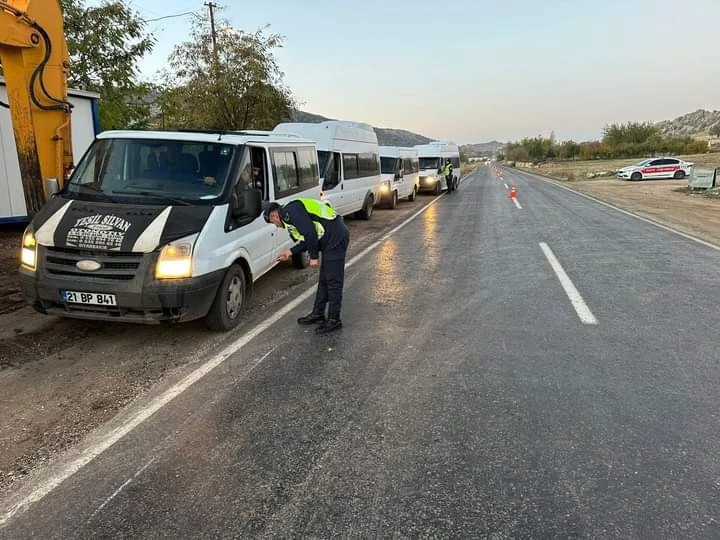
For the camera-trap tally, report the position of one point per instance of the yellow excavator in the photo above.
(35, 62)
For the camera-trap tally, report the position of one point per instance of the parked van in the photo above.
(400, 174)
(165, 226)
(348, 153)
(432, 158)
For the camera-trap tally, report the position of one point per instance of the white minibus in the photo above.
(348, 154)
(160, 226)
(432, 158)
(400, 174)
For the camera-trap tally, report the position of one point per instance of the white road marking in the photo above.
(514, 199)
(57, 477)
(124, 484)
(576, 299)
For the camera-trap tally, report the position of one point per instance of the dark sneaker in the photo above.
(312, 318)
(329, 326)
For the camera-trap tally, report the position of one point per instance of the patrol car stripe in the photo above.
(150, 237)
(45, 235)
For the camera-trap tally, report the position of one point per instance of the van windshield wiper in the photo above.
(155, 196)
(94, 189)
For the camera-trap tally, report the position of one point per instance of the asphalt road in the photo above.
(540, 368)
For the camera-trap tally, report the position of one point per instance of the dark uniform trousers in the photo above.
(333, 245)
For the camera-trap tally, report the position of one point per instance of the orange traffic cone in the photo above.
(513, 192)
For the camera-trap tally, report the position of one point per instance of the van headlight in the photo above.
(385, 187)
(28, 252)
(175, 260)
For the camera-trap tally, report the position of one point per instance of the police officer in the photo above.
(449, 179)
(316, 227)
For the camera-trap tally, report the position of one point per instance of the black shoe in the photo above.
(329, 326)
(312, 318)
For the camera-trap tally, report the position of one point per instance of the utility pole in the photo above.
(211, 6)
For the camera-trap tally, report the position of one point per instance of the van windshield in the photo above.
(389, 165)
(429, 162)
(149, 171)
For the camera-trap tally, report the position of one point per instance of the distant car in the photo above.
(656, 168)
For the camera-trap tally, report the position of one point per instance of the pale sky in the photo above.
(478, 70)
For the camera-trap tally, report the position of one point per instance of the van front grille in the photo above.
(114, 266)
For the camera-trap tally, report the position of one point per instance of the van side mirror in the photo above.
(247, 205)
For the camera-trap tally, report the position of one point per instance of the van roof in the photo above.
(324, 132)
(398, 151)
(437, 148)
(229, 137)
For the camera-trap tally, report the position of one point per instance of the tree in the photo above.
(632, 132)
(105, 44)
(231, 82)
(715, 130)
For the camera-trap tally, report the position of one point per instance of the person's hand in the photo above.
(314, 263)
(285, 256)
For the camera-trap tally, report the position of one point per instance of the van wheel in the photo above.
(438, 189)
(229, 301)
(412, 196)
(393, 201)
(301, 260)
(366, 211)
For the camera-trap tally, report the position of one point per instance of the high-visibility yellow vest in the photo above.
(317, 210)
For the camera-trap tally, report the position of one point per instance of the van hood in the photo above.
(115, 227)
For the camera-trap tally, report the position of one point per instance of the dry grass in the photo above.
(582, 170)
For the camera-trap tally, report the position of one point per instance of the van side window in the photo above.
(455, 162)
(329, 168)
(307, 168)
(285, 172)
(259, 170)
(350, 166)
(368, 165)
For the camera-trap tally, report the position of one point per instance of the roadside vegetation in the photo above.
(631, 140)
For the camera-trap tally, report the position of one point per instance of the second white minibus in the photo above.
(348, 154)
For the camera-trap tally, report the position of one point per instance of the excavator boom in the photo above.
(34, 58)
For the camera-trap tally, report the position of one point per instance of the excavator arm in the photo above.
(34, 58)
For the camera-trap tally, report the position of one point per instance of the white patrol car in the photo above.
(656, 168)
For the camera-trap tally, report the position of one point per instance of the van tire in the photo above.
(366, 211)
(412, 196)
(226, 310)
(301, 260)
(393, 201)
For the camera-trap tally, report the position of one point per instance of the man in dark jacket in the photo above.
(316, 227)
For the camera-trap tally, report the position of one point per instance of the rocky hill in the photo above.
(487, 149)
(698, 123)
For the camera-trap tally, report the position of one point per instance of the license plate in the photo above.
(96, 299)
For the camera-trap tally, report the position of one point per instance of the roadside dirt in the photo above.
(61, 378)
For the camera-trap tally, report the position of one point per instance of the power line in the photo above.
(171, 16)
